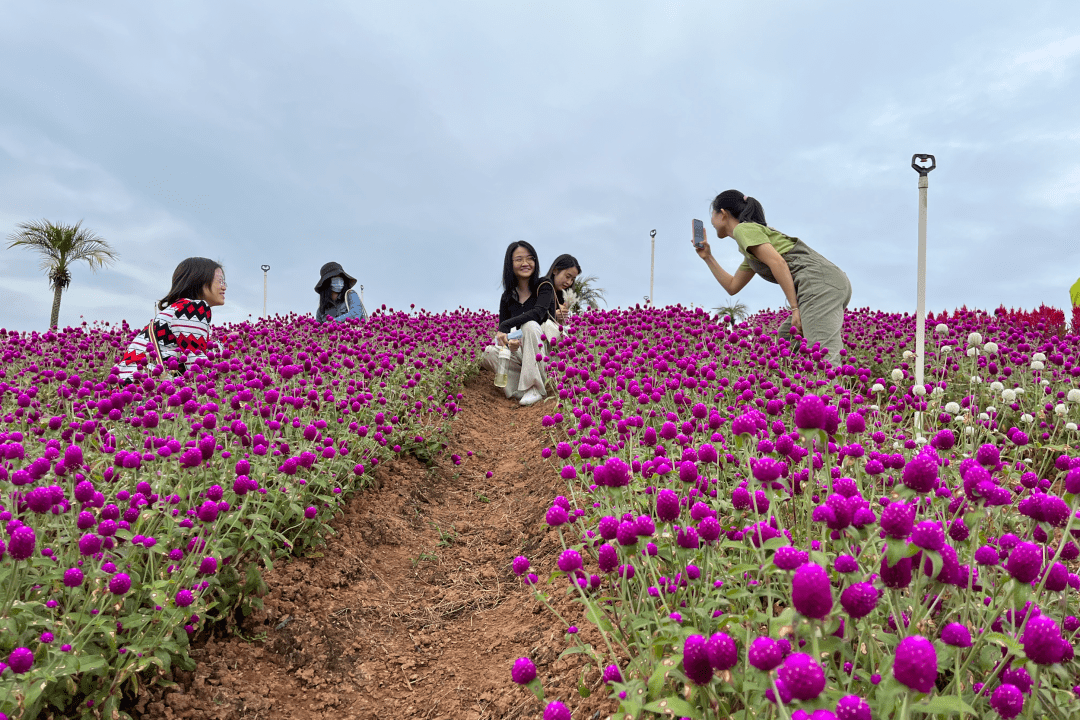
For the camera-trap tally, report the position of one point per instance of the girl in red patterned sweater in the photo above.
(182, 327)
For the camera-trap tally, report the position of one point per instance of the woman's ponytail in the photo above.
(742, 207)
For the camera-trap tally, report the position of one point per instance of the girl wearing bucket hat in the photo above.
(337, 300)
(817, 291)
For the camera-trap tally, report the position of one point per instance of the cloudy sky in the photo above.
(413, 141)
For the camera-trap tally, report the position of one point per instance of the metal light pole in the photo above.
(265, 269)
(920, 318)
(652, 267)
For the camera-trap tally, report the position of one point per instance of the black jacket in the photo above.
(540, 306)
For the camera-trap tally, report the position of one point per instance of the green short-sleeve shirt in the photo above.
(749, 234)
(1074, 294)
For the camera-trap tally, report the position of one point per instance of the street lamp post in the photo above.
(652, 266)
(265, 269)
(919, 163)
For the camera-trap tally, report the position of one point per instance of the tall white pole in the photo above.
(652, 267)
(265, 269)
(920, 316)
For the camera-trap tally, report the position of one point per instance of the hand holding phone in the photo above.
(699, 234)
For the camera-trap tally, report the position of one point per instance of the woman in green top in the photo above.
(817, 291)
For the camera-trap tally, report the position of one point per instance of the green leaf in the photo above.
(895, 550)
(945, 704)
(674, 705)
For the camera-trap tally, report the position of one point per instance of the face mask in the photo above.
(337, 284)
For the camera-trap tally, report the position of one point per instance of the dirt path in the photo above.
(413, 611)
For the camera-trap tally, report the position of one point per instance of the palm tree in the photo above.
(60, 247)
(735, 309)
(587, 295)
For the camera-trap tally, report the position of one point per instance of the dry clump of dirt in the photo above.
(412, 610)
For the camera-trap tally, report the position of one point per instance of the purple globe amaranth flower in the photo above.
(709, 529)
(569, 561)
(956, 634)
(555, 710)
(521, 565)
(1072, 481)
(898, 520)
(915, 664)
(1019, 677)
(119, 583)
(1007, 700)
(612, 675)
(811, 591)
(859, 600)
(208, 566)
(73, 577)
(1057, 578)
(723, 653)
(921, 473)
(1042, 640)
(184, 598)
(896, 576)
(627, 533)
(696, 663)
(853, 707)
(988, 455)
(608, 527)
(928, 535)
(987, 556)
(22, 542)
(765, 653)
(1025, 562)
(845, 564)
(607, 557)
(667, 505)
(523, 672)
(687, 538)
(20, 660)
(787, 557)
(766, 469)
(810, 413)
(803, 676)
(556, 516)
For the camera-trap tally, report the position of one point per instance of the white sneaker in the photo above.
(532, 396)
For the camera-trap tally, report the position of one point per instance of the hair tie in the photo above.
(745, 198)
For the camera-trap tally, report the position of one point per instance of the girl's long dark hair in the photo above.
(509, 279)
(326, 301)
(743, 207)
(190, 279)
(561, 263)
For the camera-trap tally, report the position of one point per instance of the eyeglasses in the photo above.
(222, 283)
(527, 260)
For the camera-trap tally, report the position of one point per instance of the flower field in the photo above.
(750, 530)
(135, 516)
(746, 528)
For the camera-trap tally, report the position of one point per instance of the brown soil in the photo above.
(412, 611)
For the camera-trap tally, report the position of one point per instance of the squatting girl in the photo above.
(817, 291)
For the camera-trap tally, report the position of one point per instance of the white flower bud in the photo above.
(990, 347)
(996, 386)
(877, 387)
(1044, 382)
(972, 352)
(1070, 426)
(941, 328)
(920, 440)
(1026, 418)
(897, 375)
(975, 380)
(984, 416)
(991, 409)
(952, 408)
(1073, 396)
(1037, 365)
(908, 355)
(1008, 396)
(919, 390)
(1039, 356)
(1018, 391)
(974, 339)
(946, 349)
(969, 430)
(1061, 409)
(938, 392)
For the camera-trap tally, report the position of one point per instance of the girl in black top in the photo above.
(527, 302)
